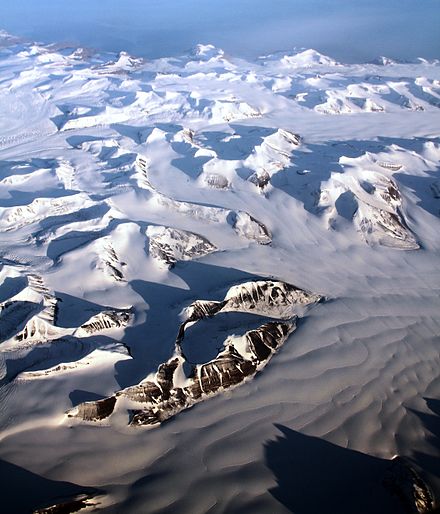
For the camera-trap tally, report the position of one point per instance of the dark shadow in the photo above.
(170, 128)
(434, 406)
(14, 316)
(313, 97)
(245, 139)
(121, 162)
(422, 188)
(73, 311)
(135, 500)
(120, 98)
(11, 286)
(314, 476)
(203, 341)
(319, 161)
(430, 462)
(79, 396)
(68, 113)
(76, 239)
(198, 104)
(346, 205)
(50, 224)
(69, 242)
(77, 141)
(18, 198)
(239, 147)
(244, 173)
(422, 94)
(138, 134)
(415, 144)
(153, 341)
(24, 167)
(190, 165)
(52, 353)
(392, 95)
(44, 357)
(24, 491)
(322, 160)
(316, 96)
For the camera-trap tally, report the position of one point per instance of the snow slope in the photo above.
(154, 216)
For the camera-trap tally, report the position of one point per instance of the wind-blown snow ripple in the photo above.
(293, 168)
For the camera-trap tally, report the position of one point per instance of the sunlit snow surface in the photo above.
(130, 189)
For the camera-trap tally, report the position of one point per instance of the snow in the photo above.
(130, 189)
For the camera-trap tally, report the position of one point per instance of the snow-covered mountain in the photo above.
(154, 216)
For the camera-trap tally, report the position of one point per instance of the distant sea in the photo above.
(348, 30)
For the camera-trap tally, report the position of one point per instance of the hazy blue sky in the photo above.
(350, 30)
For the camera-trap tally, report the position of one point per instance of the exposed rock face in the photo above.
(68, 507)
(381, 218)
(171, 389)
(30, 316)
(269, 298)
(387, 229)
(146, 392)
(29, 329)
(168, 245)
(403, 481)
(109, 262)
(238, 361)
(243, 223)
(216, 181)
(202, 309)
(273, 155)
(250, 228)
(104, 321)
(389, 165)
(264, 297)
(19, 216)
(12, 316)
(260, 179)
(94, 411)
(376, 208)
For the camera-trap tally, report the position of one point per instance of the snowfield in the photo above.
(168, 227)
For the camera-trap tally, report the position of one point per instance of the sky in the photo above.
(346, 30)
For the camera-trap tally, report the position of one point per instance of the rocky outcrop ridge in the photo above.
(376, 208)
(403, 481)
(245, 225)
(168, 245)
(172, 388)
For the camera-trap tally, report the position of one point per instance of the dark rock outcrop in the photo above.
(232, 366)
(376, 208)
(68, 507)
(105, 320)
(403, 481)
(173, 388)
(168, 245)
(95, 411)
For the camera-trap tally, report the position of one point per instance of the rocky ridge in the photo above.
(174, 388)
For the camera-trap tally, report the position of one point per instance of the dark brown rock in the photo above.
(145, 393)
(94, 411)
(239, 359)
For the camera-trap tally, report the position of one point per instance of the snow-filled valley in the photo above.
(219, 282)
